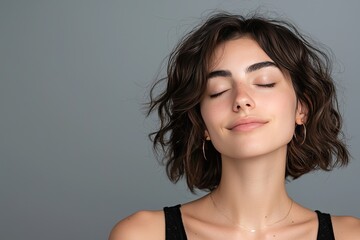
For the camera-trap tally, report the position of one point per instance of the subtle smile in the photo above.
(247, 124)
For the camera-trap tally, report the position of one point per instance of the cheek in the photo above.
(207, 115)
(287, 113)
(287, 108)
(286, 101)
(212, 115)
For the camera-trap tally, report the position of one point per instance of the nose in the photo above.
(243, 101)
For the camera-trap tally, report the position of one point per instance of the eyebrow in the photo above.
(219, 73)
(259, 65)
(249, 69)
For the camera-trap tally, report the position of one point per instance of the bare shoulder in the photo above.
(140, 225)
(346, 228)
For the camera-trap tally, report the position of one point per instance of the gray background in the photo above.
(74, 153)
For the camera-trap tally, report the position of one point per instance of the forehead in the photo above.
(240, 51)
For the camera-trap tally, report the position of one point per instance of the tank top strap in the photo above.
(174, 227)
(325, 231)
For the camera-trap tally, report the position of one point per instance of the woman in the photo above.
(248, 103)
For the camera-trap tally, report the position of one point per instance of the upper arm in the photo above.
(346, 228)
(141, 225)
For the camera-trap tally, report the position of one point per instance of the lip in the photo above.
(246, 124)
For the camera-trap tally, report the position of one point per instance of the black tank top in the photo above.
(175, 227)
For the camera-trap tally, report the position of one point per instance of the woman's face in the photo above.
(249, 106)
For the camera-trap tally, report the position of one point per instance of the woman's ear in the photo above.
(206, 135)
(301, 114)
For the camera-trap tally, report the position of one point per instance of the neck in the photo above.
(252, 192)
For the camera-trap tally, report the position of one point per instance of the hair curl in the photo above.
(181, 130)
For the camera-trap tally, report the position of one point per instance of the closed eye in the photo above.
(266, 85)
(217, 94)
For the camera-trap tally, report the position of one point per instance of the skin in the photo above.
(251, 103)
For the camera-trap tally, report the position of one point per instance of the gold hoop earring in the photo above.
(203, 149)
(203, 146)
(304, 134)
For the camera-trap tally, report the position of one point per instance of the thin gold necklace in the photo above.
(244, 227)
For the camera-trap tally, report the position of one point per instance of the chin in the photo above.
(256, 150)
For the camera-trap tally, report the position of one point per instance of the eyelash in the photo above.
(217, 94)
(266, 85)
(270, 85)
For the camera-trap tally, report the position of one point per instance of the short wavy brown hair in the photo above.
(181, 131)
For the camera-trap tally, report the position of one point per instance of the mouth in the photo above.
(247, 124)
